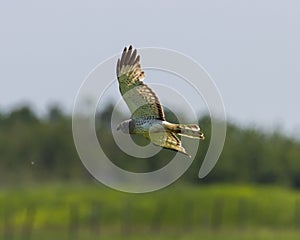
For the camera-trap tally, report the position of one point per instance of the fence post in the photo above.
(8, 226)
(126, 219)
(73, 222)
(242, 213)
(217, 214)
(95, 220)
(157, 217)
(28, 223)
(297, 214)
(188, 214)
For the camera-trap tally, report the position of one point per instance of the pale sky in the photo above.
(250, 48)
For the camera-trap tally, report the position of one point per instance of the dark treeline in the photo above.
(42, 149)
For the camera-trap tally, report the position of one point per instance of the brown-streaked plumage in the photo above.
(148, 118)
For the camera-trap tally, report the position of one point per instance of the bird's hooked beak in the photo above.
(123, 126)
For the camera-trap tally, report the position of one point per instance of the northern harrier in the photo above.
(148, 118)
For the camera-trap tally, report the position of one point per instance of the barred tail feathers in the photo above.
(186, 130)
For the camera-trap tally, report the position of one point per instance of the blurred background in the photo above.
(251, 50)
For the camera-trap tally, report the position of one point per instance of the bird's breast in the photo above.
(144, 125)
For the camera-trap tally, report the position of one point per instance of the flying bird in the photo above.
(148, 118)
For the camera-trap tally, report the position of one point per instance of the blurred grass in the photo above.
(181, 211)
(229, 234)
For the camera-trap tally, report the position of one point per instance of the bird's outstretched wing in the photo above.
(141, 100)
(168, 140)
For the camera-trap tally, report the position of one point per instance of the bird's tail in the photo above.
(187, 130)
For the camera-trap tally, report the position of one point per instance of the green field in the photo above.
(91, 211)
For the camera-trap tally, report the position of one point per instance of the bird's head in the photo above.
(124, 126)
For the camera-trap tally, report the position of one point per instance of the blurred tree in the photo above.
(55, 113)
(22, 114)
(35, 148)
